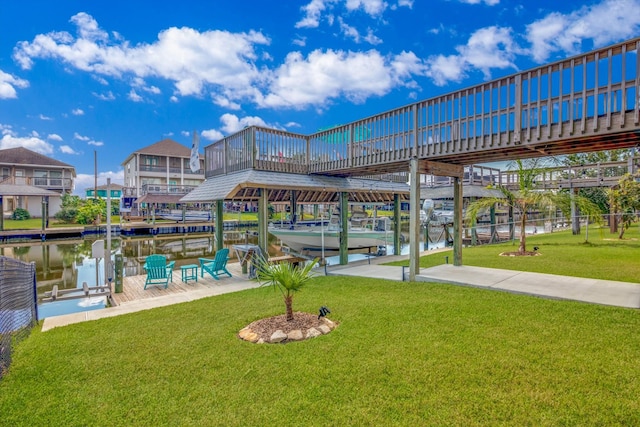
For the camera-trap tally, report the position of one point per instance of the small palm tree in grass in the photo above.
(528, 196)
(287, 278)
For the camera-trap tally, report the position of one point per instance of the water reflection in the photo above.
(67, 263)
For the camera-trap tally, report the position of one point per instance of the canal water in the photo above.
(68, 263)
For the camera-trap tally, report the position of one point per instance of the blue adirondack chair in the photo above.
(215, 266)
(158, 271)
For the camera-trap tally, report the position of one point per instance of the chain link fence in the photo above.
(18, 305)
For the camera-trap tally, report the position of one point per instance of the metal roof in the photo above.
(246, 185)
(446, 192)
(160, 198)
(25, 190)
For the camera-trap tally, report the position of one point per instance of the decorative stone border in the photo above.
(296, 335)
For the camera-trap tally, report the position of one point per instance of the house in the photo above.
(115, 190)
(28, 179)
(159, 175)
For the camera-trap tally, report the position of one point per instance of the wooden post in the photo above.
(396, 225)
(263, 221)
(344, 228)
(414, 219)
(219, 224)
(492, 213)
(457, 221)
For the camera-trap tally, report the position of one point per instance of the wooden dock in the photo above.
(7, 236)
(133, 286)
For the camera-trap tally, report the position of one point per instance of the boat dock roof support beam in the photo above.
(396, 225)
(414, 219)
(218, 206)
(263, 221)
(457, 221)
(344, 228)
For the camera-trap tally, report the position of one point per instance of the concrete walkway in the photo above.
(147, 303)
(606, 292)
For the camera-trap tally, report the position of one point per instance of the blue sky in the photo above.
(114, 76)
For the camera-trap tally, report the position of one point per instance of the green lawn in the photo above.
(604, 256)
(36, 223)
(403, 354)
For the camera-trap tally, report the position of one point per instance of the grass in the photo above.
(36, 223)
(604, 256)
(403, 354)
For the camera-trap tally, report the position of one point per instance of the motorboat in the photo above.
(189, 215)
(363, 232)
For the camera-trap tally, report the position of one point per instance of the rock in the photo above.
(248, 335)
(324, 329)
(278, 336)
(295, 335)
(329, 323)
(313, 332)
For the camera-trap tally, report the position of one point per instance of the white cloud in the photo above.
(76, 135)
(8, 85)
(77, 112)
(487, 2)
(54, 137)
(68, 150)
(192, 60)
(95, 143)
(322, 76)
(133, 96)
(371, 7)
(109, 96)
(487, 48)
(312, 13)
(43, 117)
(232, 124)
(34, 143)
(353, 33)
(299, 41)
(212, 134)
(603, 23)
(152, 89)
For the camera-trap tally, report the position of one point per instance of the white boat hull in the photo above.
(302, 239)
(189, 216)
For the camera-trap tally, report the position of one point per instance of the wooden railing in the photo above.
(48, 183)
(559, 108)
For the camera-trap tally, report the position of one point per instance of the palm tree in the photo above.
(285, 277)
(625, 201)
(527, 197)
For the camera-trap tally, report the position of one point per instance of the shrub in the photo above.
(20, 214)
(67, 215)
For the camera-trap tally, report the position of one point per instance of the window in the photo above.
(56, 178)
(40, 178)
